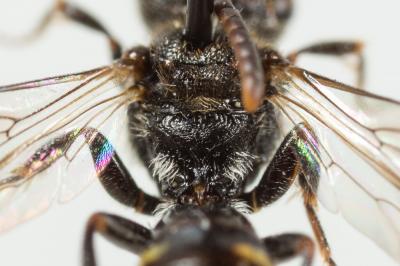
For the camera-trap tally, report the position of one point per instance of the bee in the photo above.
(193, 168)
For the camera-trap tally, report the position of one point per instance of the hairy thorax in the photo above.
(192, 131)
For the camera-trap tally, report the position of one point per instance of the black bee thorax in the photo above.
(188, 72)
(186, 148)
(192, 131)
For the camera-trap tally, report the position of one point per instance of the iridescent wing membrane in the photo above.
(358, 149)
(50, 122)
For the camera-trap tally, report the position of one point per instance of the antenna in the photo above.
(199, 22)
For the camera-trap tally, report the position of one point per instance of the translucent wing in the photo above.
(359, 149)
(43, 142)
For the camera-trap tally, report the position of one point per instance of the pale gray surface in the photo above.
(55, 238)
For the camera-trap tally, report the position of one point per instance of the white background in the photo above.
(55, 237)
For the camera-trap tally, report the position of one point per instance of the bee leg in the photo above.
(280, 174)
(310, 203)
(337, 49)
(298, 156)
(120, 231)
(78, 15)
(73, 13)
(287, 246)
(114, 177)
(111, 172)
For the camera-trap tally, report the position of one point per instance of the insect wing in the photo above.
(366, 193)
(45, 136)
